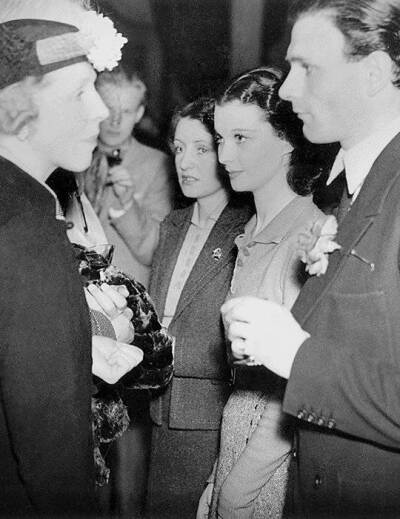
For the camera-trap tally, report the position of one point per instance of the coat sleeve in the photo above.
(45, 369)
(139, 226)
(341, 389)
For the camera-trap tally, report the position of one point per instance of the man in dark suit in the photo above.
(340, 347)
(49, 117)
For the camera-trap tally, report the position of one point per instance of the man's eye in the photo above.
(239, 138)
(177, 149)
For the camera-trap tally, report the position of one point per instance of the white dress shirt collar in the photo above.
(358, 160)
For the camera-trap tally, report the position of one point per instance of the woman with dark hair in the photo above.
(191, 272)
(261, 146)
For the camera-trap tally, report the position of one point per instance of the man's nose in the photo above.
(100, 108)
(288, 87)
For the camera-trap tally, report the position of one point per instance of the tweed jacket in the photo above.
(46, 448)
(345, 381)
(199, 388)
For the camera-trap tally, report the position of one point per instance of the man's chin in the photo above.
(316, 135)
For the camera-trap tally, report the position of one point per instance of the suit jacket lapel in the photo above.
(366, 207)
(173, 240)
(218, 250)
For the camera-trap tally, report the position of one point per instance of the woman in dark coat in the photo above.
(191, 273)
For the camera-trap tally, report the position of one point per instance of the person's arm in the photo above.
(139, 225)
(45, 373)
(267, 449)
(330, 386)
(356, 394)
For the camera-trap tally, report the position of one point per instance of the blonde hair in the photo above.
(119, 77)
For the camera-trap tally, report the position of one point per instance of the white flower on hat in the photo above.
(101, 41)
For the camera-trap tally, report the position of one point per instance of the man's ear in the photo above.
(140, 113)
(23, 133)
(379, 71)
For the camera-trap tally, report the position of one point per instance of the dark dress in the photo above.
(187, 416)
(46, 446)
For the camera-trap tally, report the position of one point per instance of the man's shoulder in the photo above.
(149, 154)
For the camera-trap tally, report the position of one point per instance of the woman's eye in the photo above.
(202, 150)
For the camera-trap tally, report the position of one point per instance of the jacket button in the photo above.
(331, 423)
(294, 453)
(317, 481)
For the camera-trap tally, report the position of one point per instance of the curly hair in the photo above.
(202, 110)
(17, 106)
(260, 87)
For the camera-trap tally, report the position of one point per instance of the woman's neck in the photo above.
(209, 203)
(271, 199)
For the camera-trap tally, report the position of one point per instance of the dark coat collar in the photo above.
(21, 192)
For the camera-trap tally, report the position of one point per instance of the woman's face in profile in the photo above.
(247, 145)
(195, 159)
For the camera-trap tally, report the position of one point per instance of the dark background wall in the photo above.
(186, 48)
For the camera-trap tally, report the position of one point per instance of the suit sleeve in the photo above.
(341, 389)
(139, 226)
(45, 370)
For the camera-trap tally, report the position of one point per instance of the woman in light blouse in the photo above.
(190, 278)
(260, 143)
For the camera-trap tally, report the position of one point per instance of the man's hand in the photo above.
(263, 330)
(122, 185)
(112, 359)
(111, 301)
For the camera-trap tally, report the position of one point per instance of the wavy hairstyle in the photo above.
(367, 26)
(260, 87)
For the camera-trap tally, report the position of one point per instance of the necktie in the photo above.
(345, 202)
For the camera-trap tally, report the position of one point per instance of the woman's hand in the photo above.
(203, 508)
(113, 359)
(110, 300)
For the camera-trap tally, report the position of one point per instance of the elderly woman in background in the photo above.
(191, 272)
(260, 144)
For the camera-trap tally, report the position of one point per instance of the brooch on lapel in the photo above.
(217, 254)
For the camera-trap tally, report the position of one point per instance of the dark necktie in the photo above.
(345, 201)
